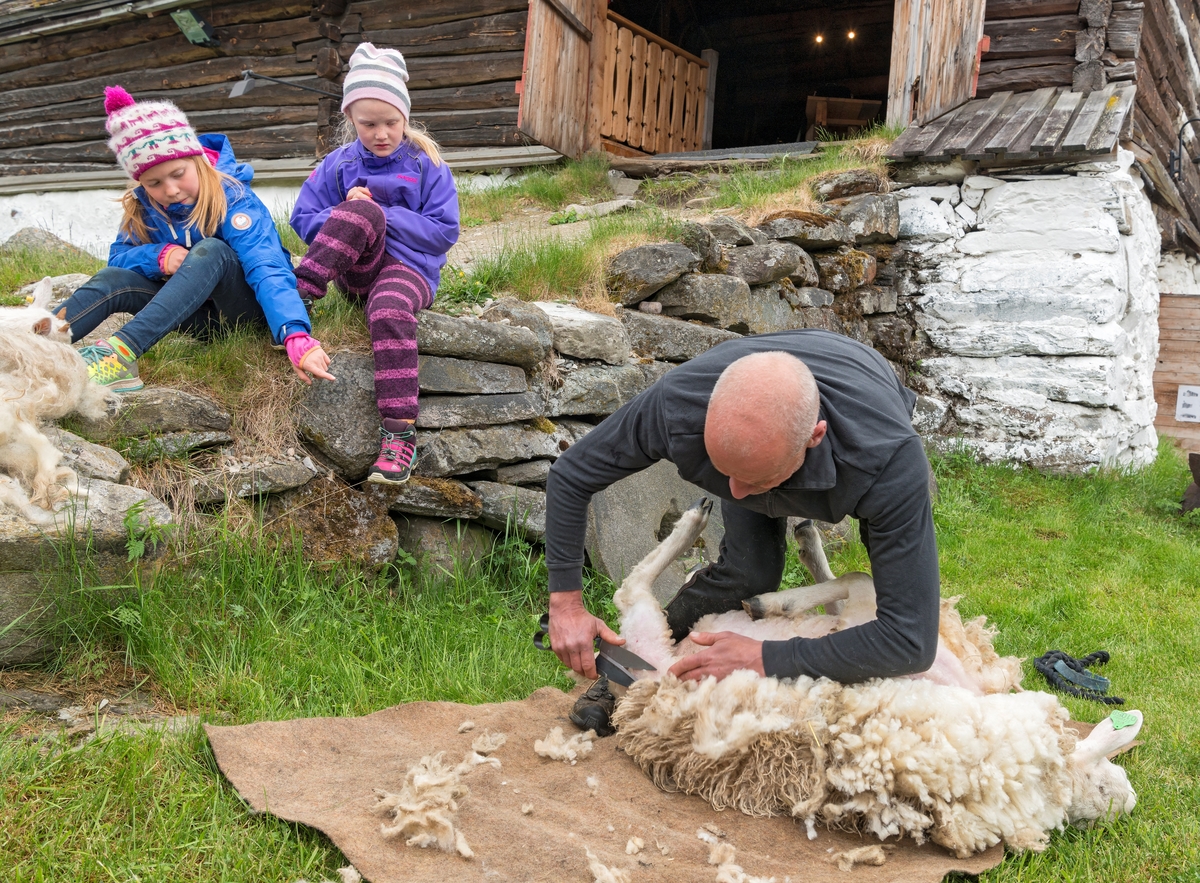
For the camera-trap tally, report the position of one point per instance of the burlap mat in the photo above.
(321, 772)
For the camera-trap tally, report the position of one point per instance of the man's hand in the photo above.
(172, 259)
(316, 363)
(572, 630)
(727, 652)
(358, 193)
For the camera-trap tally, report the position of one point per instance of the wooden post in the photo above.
(597, 18)
(710, 96)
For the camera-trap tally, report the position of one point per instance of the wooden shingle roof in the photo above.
(1047, 124)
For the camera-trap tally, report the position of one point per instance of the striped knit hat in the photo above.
(377, 73)
(146, 133)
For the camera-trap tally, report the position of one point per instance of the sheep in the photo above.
(950, 756)
(36, 318)
(42, 379)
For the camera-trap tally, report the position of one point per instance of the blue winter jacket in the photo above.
(418, 198)
(248, 229)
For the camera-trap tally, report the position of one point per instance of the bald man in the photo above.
(803, 423)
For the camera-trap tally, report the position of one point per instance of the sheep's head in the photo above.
(1100, 788)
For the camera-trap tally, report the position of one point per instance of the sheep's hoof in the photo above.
(704, 504)
(754, 608)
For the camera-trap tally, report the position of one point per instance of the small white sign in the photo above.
(1187, 404)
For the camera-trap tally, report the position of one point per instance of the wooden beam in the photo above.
(998, 9)
(570, 18)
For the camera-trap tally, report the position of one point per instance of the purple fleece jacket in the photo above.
(419, 199)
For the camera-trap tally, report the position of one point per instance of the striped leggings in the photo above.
(350, 250)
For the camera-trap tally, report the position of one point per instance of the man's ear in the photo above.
(818, 434)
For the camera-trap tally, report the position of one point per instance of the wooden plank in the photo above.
(947, 74)
(620, 130)
(677, 99)
(382, 14)
(652, 37)
(1032, 37)
(504, 32)
(650, 111)
(927, 135)
(898, 149)
(1017, 117)
(666, 88)
(908, 47)
(571, 19)
(979, 121)
(710, 97)
(1024, 74)
(1056, 123)
(637, 88)
(961, 117)
(1108, 129)
(699, 93)
(1095, 12)
(608, 84)
(555, 93)
(1085, 122)
(997, 9)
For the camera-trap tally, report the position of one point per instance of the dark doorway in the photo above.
(774, 55)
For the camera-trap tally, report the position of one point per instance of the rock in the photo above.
(808, 230)
(627, 520)
(91, 531)
(512, 311)
(808, 297)
(508, 507)
(594, 389)
(974, 188)
(438, 544)
(30, 239)
(341, 420)
(599, 209)
(31, 701)
(63, 286)
(929, 415)
(805, 275)
(938, 193)
(872, 218)
(338, 525)
(953, 171)
(437, 412)
(850, 182)
(637, 273)
(459, 451)
(441, 335)
(727, 302)
(156, 411)
(534, 472)
(87, 459)
(652, 371)
(429, 497)
(731, 232)
(701, 240)
(585, 335)
(1074, 214)
(673, 340)
(870, 299)
(252, 480)
(443, 374)
(759, 264)
(922, 220)
(653, 307)
(174, 445)
(891, 335)
(845, 270)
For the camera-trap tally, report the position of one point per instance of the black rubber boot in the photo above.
(593, 710)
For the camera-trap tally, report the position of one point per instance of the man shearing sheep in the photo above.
(804, 423)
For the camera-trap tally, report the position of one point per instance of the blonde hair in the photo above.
(208, 214)
(414, 133)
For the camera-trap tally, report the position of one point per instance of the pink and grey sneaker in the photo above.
(397, 453)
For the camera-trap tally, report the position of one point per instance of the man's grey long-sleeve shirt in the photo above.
(870, 465)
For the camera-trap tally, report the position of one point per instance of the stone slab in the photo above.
(583, 335)
(437, 412)
(507, 507)
(760, 264)
(873, 218)
(636, 273)
(252, 480)
(340, 421)
(157, 410)
(514, 311)
(442, 374)
(595, 390)
(471, 338)
(428, 497)
(809, 231)
(461, 451)
(733, 233)
(439, 545)
(88, 459)
(533, 472)
(338, 526)
(669, 339)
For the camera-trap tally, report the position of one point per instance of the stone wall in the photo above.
(1034, 303)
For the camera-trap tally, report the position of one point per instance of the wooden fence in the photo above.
(653, 95)
(1178, 364)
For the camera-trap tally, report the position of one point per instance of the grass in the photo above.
(20, 266)
(546, 187)
(239, 633)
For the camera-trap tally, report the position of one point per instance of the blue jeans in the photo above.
(207, 291)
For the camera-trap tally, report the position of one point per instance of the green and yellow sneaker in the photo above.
(111, 363)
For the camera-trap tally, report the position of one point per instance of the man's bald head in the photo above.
(762, 418)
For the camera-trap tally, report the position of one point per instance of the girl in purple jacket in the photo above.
(379, 215)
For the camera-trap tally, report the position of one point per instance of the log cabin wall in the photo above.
(770, 60)
(464, 57)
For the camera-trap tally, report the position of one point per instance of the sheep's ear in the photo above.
(42, 326)
(1106, 738)
(43, 292)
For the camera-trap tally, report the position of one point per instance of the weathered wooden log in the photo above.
(383, 14)
(1095, 12)
(1122, 70)
(463, 70)
(1032, 37)
(493, 33)
(1158, 39)
(327, 63)
(1088, 77)
(331, 7)
(1089, 44)
(15, 169)
(998, 9)
(79, 44)
(473, 97)
(1024, 74)
(1125, 29)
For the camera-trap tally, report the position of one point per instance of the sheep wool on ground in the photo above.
(556, 746)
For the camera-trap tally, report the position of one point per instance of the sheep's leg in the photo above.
(795, 602)
(812, 555)
(637, 585)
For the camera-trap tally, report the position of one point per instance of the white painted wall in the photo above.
(1040, 298)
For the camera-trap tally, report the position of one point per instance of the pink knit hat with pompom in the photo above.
(146, 133)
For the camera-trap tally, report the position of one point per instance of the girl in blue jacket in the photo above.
(196, 249)
(379, 215)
